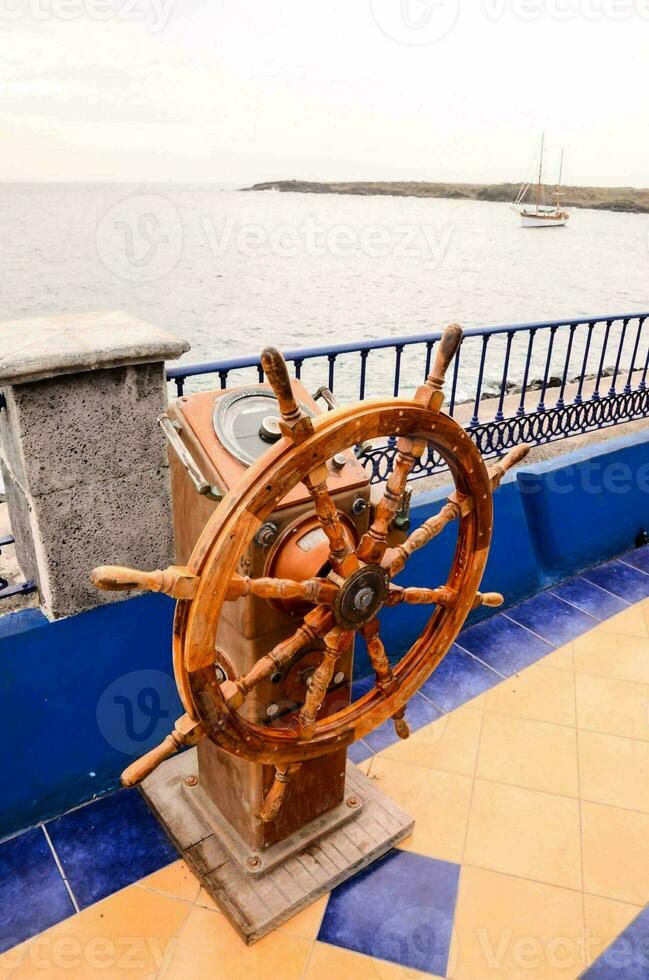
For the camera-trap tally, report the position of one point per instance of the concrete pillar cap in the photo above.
(45, 347)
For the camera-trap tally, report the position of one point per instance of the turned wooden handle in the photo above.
(401, 726)
(446, 351)
(187, 732)
(275, 796)
(116, 578)
(176, 581)
(144, 766)
(295, 423)
(276, 371)
(513, 457)
(490, 599)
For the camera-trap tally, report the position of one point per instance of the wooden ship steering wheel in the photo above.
(360, 582)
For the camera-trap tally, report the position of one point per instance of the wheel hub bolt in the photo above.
(363, 599)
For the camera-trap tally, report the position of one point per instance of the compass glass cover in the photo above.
(238, 419)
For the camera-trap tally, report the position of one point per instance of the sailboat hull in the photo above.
(531, 219)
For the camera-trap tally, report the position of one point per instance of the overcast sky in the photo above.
(245, 90)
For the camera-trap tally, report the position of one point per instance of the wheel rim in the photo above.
(232, 528)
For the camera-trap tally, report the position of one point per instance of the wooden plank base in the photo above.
(257, 903)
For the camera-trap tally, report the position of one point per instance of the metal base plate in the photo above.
(257, 903)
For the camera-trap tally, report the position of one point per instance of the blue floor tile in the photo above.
(589, 598)
(419, 712)
(639, 558)
(399, 909)
(359, 751)
(504, 645)
(109, 844)
(552, 618)
(621, 579)
(33, 895)
(628, 957)
(458, 678)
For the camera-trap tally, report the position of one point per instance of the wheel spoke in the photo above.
(385, 679)
(409, 451)
(316, 623)
(443, 596)
(373, 542)
(336, 642)
(397, 557)
(342, 556)
(315, 590)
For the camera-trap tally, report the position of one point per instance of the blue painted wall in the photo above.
(82, 697)
(588, 506)
(79, 699)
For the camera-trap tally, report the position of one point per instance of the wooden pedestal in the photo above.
(258, 890)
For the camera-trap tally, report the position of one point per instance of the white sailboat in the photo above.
(542, 215)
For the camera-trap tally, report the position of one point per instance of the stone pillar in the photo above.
(83, 460)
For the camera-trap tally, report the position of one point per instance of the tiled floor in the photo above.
(527, 775)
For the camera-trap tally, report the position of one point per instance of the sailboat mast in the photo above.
(538, 186)
(560, 178)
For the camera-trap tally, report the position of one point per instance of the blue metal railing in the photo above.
(495, 375)
(589, 372)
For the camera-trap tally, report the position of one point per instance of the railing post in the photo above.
(564, 377)
(595, 395)
(84, 464)
(332, 368)
(361, 390)
(503, 384)
(627, 387)
(397, 369)
(611, 390)
(475, 418)
(530, 344)
(584, 363)
(548, 361)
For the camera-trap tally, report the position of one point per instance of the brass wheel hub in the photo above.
(361, 596)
